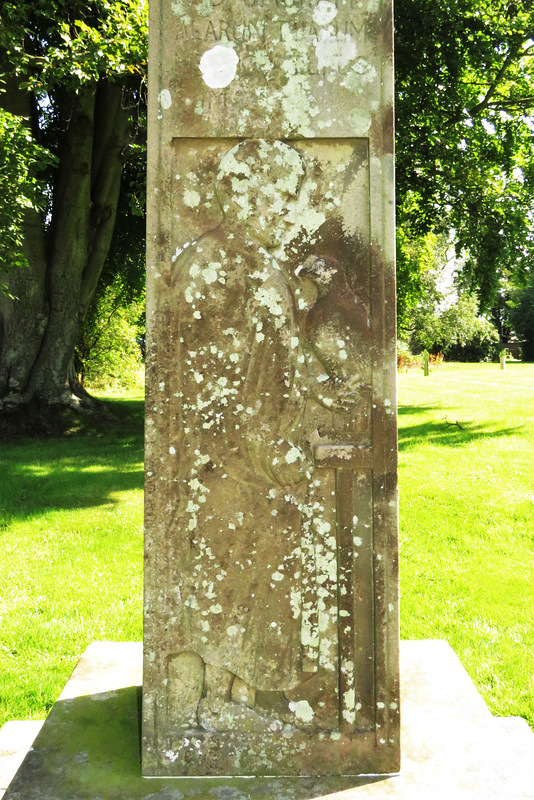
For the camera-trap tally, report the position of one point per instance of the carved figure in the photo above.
(239, 474)
(338, 335)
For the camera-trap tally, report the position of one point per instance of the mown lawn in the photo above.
(70, 555)
(71, 537)
(467, 522)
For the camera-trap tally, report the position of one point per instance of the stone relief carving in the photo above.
(270, 642)
(265, 339)
(337, 336)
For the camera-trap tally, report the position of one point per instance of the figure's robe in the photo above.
(234, 476)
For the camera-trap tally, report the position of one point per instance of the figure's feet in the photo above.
(227, 704)
(216, 700)
(185, 680)
(313, 705)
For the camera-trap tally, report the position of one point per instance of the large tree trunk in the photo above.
(40, 326)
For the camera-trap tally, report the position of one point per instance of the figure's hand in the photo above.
(288, 464)
(338, 395)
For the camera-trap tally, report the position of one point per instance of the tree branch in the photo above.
(483, 104)
(522, 102)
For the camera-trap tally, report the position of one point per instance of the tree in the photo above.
(520, 315)
(464, 132)
(417, 258)
(444, 318)
(74, 73)
(459, 332)
(71, 94)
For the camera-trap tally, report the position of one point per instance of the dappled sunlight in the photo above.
(65, 467)
(71, 525)
(86, 469)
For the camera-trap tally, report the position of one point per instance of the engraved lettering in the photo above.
(262, 31)
(210, 32)
(225, 31)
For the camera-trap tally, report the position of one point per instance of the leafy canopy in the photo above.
(63, 42)
(48, 50)
(464, 131)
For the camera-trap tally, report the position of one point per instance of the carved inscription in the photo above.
(301, 69)
(262, 32)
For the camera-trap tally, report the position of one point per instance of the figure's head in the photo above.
(322, 271)
(256, 182)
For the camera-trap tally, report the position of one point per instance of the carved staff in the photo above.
(354, 536)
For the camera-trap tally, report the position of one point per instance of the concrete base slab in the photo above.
(16, 738)
(453, 749)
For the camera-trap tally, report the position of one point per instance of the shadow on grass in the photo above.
(35, 422)
(83, 468)
(404, 411)
(447, 431)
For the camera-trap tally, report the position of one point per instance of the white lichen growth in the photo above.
(302, 710)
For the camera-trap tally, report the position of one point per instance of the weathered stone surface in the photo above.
(271, 620)
(453, 749)
(272, 68)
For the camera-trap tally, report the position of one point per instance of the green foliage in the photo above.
(108, 354)
(52, 47)
(21, 159)
(439, 318)
(66, 43)
(419, 258)
(459, 331)
(417, 271)
(464, 131)
(520, 315)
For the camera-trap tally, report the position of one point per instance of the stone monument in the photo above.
(271, 619)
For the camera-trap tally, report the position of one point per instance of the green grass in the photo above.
(467, 522)
(71, 555)
(71, 537)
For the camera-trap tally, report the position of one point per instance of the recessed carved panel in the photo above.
(261, 588)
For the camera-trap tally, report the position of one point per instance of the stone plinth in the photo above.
(16, 738)
(453, 749)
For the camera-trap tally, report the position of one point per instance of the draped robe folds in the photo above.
(235, 475)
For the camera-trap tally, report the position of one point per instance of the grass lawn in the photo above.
(467, 522)
(71, 537)
(71, 555)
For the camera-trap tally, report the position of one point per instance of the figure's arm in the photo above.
(268, 387)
